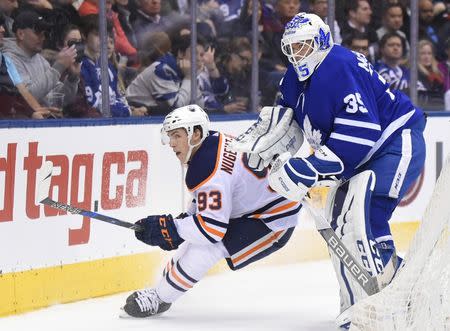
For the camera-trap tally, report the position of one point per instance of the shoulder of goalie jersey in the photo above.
(205, 161)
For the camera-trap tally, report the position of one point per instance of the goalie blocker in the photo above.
(274, 133)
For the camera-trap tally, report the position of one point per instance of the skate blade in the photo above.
(123, 314)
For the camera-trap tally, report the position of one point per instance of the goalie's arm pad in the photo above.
(293, 177)
(200, 229)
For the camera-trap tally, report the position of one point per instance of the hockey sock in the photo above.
(186, 268)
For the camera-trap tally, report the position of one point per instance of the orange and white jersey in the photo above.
(225, 188)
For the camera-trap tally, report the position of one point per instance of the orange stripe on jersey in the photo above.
(278, 209)
(207, 228)
(216, 166)
(265, 242)
(179, 280)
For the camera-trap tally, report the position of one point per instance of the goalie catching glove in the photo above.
(274, 133)
(159, 230)
(292, 177)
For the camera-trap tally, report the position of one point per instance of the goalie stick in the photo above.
(45, 176)
(370, 284)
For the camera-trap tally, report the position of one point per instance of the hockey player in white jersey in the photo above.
(234, 213)
(356, 125)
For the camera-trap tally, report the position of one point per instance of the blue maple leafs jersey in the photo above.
(347, 106)
(397, 77)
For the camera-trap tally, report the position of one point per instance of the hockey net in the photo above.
(419, 296)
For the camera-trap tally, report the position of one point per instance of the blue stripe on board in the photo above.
(70, 122)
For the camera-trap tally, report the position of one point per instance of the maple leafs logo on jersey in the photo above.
(314, 137)
(323, 40)
(296, 22)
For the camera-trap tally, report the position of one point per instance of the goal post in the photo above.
(419, 296)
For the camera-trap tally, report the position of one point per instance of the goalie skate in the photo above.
(145, 303)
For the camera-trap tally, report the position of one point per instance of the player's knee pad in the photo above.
(348, 209)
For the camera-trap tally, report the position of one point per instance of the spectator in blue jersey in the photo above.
(166, 83)
(354, 122)
(79, 107)
(91, 72)
(389, 67)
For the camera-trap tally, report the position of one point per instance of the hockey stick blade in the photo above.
(45, 175)
(44, 178)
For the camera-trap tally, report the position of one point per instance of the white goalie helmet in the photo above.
(187, 117)
(306, 42)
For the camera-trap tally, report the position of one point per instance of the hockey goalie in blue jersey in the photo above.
(354, 123)
(223, 220)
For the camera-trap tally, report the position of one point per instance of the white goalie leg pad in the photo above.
(275, 132)
(348, 209)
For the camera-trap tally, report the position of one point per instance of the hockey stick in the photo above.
(370, 284)
(45, 175)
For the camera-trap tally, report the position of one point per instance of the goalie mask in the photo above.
(187, 117)
(306, 42)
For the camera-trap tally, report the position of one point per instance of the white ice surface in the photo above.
(293, 297)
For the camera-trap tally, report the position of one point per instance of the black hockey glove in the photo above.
(159, 230)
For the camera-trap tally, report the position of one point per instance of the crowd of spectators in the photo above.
(50, 47)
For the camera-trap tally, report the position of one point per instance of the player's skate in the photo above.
(145, 303)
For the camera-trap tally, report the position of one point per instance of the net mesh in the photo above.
(419, 296)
